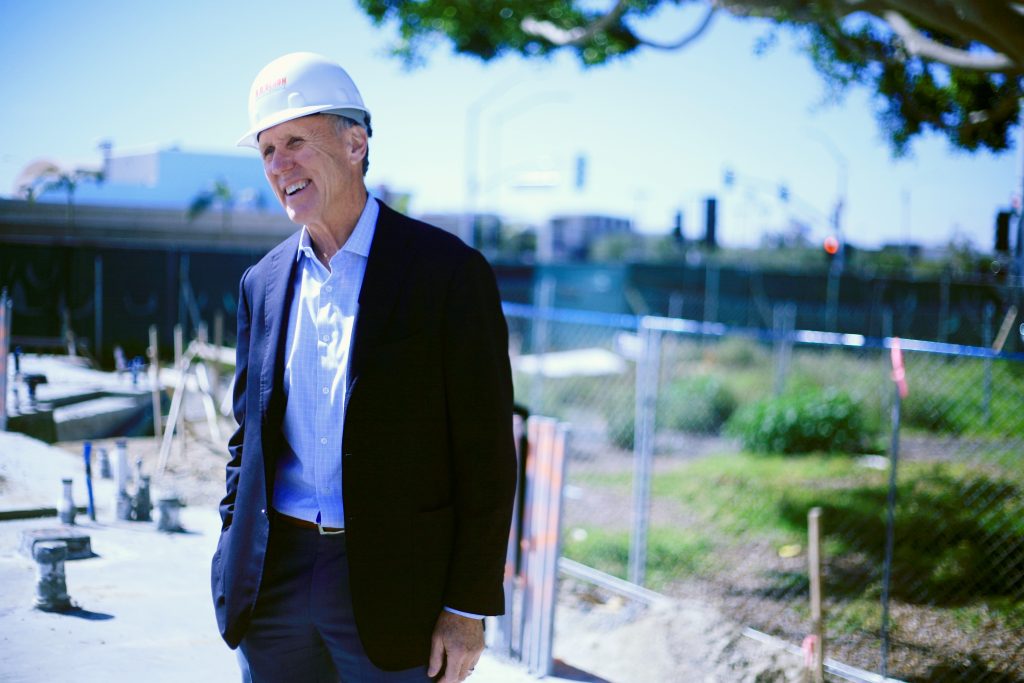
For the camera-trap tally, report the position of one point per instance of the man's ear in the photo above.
(357, 144)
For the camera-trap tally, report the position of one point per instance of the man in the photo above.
(370, 486)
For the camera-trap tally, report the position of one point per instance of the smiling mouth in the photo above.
(296, 187)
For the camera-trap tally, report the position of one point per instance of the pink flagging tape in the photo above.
(899, 372)
(809, 646)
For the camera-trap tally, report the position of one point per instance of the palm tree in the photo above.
(218, 193)
(45, 176)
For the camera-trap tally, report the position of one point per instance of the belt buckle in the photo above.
(324, 532)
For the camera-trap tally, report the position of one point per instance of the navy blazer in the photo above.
(428, 454)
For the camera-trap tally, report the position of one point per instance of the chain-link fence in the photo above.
(698, 449)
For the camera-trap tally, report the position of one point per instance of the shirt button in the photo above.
(323, 440)
(329, 289)
(326, 338)
(325, 390)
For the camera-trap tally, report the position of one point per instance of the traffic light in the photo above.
(1003, 232)
(831, 246)
(710, 222)
(677, 230)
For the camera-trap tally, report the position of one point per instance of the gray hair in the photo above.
(342, 123)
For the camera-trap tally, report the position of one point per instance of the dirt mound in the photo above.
(677, 641)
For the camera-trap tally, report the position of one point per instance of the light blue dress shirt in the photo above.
(320, 325)
(324, 307)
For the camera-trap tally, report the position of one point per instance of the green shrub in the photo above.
(621, 424)
(738, 352)
(934, 411)
(698, 405)
(802, 423)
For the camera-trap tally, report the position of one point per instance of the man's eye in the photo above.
(267, 152)
(294, 142)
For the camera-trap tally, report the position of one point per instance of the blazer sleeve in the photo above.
(478, 386)
(233, 469)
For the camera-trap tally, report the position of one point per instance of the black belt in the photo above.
(306, 524)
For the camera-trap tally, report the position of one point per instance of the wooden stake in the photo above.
(154, 380)
(218, 328)
(179, 346)
(1004, 329)
(817, 623)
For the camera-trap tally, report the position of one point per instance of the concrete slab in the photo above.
(104, 417)
(79, 545)
(78, 402)
(31, 473)
(145, 612)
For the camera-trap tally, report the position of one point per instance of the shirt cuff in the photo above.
(469, 615)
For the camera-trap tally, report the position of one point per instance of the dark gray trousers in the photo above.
(302, 627)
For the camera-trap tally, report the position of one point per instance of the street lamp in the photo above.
(842, 176)
(472, 156)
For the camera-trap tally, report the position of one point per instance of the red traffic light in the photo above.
(831, 245)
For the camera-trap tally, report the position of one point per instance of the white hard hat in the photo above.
(300, 84)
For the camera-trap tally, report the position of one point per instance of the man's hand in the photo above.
(456, 645)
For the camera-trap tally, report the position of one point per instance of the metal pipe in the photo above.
(66, 509)
(612, 583)
(87, 455)
(890, 532)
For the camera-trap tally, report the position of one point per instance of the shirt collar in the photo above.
(358, 242)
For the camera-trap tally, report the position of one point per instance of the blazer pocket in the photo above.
(217, 571)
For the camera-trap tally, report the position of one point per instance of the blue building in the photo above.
(170, 178)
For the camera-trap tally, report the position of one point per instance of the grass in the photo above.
(959, 530)
(671, 553)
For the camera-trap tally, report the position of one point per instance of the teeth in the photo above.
(292, 189)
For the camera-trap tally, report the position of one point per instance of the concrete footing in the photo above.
(51, 587)
(106, 471)
(77, 543)
(169, 518)
(142, 505)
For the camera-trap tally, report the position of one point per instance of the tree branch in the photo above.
(688, 38)
(1004, 23)
(971, 21)
(578, 35)
(921, 45)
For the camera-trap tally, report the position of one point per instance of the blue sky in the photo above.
(658, 129)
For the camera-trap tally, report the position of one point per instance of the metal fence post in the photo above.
(544, 299)
(943, 330)
(5, 343)
(710, 293)
(899, 391)
(97, 307)
(832, 298)
(643, 446)
(783, 322)
(986, 331)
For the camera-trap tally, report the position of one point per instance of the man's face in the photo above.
(311, 167)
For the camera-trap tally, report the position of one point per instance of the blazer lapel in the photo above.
(276, 310)
(386, 270)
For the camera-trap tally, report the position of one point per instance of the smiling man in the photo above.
(370, 482)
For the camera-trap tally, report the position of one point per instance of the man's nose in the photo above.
(279, 161)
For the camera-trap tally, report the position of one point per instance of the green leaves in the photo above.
(864, 44)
